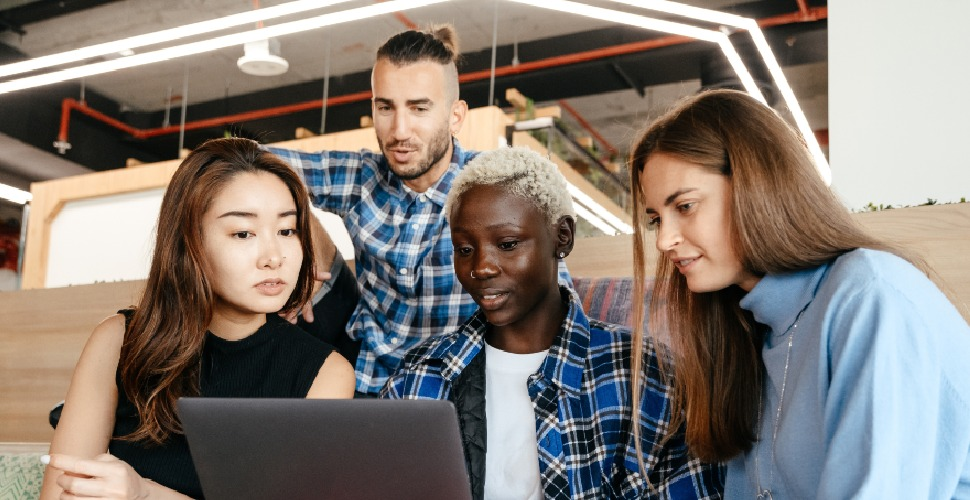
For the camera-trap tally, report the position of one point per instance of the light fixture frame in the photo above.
(621, 17)
(727, 20)
(127, 46)
(14, 194)
(199, 47)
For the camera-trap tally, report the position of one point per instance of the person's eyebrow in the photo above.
(498, 225)
(240, 213)
(423, 100)
(670, 199)
(237, 213)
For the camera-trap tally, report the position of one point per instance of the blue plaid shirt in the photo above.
(402, 253)
(581, 395)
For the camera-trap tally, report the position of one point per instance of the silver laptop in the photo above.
(325, 449)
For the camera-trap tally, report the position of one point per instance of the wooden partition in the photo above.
(940, 234)
(482, 130)
(42, 331)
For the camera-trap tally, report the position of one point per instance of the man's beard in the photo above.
(437, 149)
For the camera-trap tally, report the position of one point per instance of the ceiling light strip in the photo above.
(821, 163)
(742, 71)
(130, 43)
(624, 18)
(597, 222)
(761, 44)
(15, 195)
(657, 25)
(599, 210)
(188, 49)
(688, 11)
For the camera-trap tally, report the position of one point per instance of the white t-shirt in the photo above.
(512, 457)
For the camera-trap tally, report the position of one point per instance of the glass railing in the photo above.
(609, 178)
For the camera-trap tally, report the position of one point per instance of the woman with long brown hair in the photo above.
(233, 248)
(813, 358)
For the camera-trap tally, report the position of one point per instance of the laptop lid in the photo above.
(325, 449)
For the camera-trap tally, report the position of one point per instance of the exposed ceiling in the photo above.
(615, 91)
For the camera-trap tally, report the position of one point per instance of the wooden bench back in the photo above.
(42, 331)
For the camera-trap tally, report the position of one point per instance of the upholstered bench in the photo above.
(21, 472)
(608, 299)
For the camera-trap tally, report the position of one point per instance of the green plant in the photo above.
(872, 207)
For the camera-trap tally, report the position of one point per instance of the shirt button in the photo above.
(414, 226)
(395, 340)
(402, 271)
(422, 198)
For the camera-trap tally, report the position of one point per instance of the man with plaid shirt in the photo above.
(391, 202)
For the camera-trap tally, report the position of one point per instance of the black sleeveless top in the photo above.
(278, 361)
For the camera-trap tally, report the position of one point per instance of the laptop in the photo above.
(325, 449)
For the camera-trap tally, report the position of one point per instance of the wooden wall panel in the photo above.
(42, 333)
(481, 130)
(940, 234)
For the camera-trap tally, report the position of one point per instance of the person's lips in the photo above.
(271, 287)
(684, 264)
(490, 299)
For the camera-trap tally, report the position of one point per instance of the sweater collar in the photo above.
(778, 298)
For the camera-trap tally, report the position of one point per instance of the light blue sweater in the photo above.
(877, 399)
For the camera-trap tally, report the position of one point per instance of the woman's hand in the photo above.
(101, 477)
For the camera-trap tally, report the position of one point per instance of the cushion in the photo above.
(608, 299)
(21, 475)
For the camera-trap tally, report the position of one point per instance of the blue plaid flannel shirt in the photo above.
(402, 253)
(581, 395)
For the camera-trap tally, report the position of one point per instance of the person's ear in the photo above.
(565, 235)
(459, 109)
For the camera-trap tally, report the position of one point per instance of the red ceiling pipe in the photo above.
(812, 14)
(585, 124)
(68, 104)
(590, 55)
(256, 115)
(578, 57)
(361, 96)
(405, 21)
(402, 18)
(822, 136)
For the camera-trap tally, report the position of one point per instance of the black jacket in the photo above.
(468, 397)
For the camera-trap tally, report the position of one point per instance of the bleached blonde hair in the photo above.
(522, 172)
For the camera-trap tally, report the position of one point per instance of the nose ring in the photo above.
(472, 274)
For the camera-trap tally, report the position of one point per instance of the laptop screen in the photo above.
(325, 449)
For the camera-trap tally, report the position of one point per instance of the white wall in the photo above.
(111, 238)
(103, 239)
(899, 108)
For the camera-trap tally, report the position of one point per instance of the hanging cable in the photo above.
(185, 108)
(491, 79)
(326, 89)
